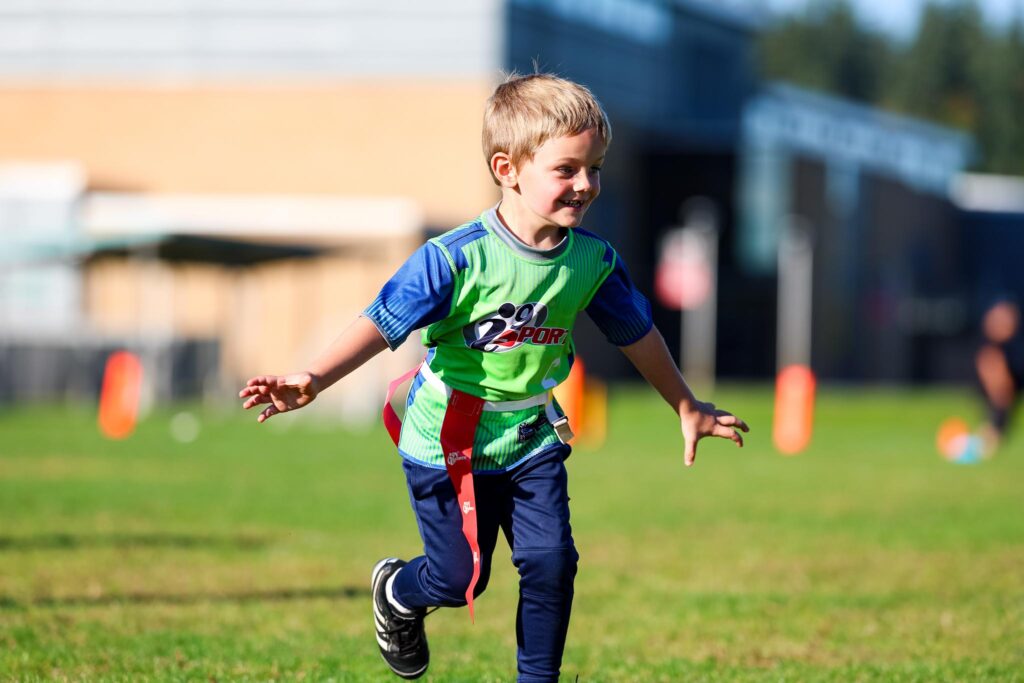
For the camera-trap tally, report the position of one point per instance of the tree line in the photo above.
(955, 70)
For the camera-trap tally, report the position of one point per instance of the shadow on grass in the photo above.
(280, 595)
(74, 542)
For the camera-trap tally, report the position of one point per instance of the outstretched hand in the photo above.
(706, 420)
(281, 392)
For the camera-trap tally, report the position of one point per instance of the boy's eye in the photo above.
(565, 170)
(595, 169)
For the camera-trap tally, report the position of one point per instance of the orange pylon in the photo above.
(119, 398)
(584, 401)
(794, 409)
(569, 395)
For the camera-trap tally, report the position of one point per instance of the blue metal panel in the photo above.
(679, 70)
(922, 155)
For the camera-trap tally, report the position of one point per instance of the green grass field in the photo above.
(245, 555)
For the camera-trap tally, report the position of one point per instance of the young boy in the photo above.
(483, 444)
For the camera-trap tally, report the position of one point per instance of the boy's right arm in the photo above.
(360, 342)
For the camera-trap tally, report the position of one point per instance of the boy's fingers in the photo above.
(260, 391)
(727, 433)
(267, 413)
(255, 401)
(730, 420)
(264, 380)
(690, 454)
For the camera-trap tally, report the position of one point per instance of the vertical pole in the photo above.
(795, 383)
(156, 327)
(796, 261)
(698, 335)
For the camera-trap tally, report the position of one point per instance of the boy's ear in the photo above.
(504, 170)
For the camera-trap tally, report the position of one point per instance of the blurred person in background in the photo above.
(1000, 366)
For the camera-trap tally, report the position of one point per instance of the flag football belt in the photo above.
(458, 429)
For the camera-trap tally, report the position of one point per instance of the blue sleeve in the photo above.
(619, 309)
(419, 294)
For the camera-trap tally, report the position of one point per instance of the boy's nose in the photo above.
(582, 183)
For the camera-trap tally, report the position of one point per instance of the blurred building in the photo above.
(992, 208)
(217, 173)
(241, 176)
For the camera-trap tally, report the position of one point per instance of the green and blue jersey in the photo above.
(497, 318)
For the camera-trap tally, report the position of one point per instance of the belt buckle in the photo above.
(563, 430)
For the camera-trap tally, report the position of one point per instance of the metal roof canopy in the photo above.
(234, 230)
(199, 249)
(922, 155)
(165, 247)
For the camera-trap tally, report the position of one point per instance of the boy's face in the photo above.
(562, 179)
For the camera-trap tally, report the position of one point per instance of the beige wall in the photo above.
(416, 139)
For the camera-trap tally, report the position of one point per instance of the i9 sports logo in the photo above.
(511, 326)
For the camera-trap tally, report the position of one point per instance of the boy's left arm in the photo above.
(697, 418)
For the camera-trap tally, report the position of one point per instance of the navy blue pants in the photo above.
(530, 504)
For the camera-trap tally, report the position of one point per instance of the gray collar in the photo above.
(516, 245)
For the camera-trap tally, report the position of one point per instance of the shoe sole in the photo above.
(377, 619)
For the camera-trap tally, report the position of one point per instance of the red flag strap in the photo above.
(458, 430)
(392, 422)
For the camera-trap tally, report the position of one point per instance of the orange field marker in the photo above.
(119, 398)
(794, 409)
(595, 407)
(585, 402)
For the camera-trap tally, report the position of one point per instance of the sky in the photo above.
(900, 16)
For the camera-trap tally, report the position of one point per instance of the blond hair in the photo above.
(524, 112)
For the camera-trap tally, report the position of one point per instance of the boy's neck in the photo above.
(531, 233)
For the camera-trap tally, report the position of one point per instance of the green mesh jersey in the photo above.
(499, 317)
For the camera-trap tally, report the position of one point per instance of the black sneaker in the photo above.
(402, 640)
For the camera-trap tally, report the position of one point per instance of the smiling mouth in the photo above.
(575, 203)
